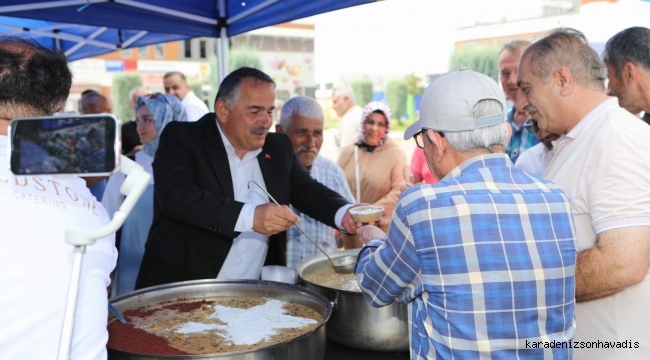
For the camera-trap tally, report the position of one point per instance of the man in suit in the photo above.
(209, 220)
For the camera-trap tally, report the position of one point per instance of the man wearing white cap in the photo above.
(485, 258)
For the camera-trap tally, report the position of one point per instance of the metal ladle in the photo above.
(344, 265)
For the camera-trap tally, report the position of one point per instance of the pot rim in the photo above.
(273, 284)
(321, 258)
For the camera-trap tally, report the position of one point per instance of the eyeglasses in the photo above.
(420, 135)
(157, 94)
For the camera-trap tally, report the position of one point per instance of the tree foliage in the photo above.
(483, 60)
(414, 84)
(362, 91)
(244, 57)
(122, 86)
(397, 91)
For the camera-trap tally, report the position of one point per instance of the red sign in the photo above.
(130, 65)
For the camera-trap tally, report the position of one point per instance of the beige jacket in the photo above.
(380, 172)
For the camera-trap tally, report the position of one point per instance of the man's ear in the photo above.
(565, 79)
(278, 129)
(438, 142)
(628, 73)
(222, 111)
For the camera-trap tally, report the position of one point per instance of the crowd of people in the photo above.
(520, 229)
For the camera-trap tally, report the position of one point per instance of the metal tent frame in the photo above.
(148, 21)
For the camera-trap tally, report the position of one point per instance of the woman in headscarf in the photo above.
(153, 113)
(374, 165)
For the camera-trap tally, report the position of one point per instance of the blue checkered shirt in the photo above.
(299, 248)
(521, 139)
(486, 258)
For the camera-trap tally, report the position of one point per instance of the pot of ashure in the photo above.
(354, 322)
(220, 319)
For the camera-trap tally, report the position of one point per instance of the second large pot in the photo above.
(354, 322)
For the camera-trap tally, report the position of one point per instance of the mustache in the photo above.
(307, 149)
(259, 131)
(530, 109)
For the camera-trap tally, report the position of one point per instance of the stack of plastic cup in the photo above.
(279, 273)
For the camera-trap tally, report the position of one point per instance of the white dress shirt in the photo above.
(349, 127)
(195, 108)
(535, 160)
(248, 252)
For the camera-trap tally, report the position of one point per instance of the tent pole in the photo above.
(222, 43)
(222, 54)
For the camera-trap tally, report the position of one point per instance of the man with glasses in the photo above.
(486, 257)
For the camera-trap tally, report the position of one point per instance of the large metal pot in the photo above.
(354, 322)
(308, 346)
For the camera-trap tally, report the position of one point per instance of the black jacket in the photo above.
(194, 207)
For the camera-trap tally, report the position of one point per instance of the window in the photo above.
(202, 49)
(160, 51)
(127, 53)
(143, 51)
(187, 47)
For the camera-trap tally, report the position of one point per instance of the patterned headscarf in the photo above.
(370, 108)
(164, 109)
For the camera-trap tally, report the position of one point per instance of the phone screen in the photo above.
(63, 145)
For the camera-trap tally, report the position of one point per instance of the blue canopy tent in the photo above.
(84, 28)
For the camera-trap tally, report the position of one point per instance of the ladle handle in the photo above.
(296, 224)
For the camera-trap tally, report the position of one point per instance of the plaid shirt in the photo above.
(299, 248)
(521, 139)
(486, 258)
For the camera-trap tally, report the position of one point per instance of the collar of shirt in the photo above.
(230, 150)
(478, 162)
(591, 116)
(189, 97)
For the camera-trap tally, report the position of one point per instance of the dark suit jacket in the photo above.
(194, 207)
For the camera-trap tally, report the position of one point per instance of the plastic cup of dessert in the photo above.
(279, 273)
(367, 213)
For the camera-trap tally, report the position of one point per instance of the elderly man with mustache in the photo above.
(602, 162)
(302, 120)
(212, 218)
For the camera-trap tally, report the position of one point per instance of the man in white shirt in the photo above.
(344, 103)
(627, 56)
(302, 120)
(536, 159)
(602, 162)
(176, 84)
(210, 220)
(35, 212)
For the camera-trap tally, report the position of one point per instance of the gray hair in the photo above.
(482, 138)
(569, 48)
(346, 92)
(300, 105)
(229, 87)
(515, 46)
(630, 45)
